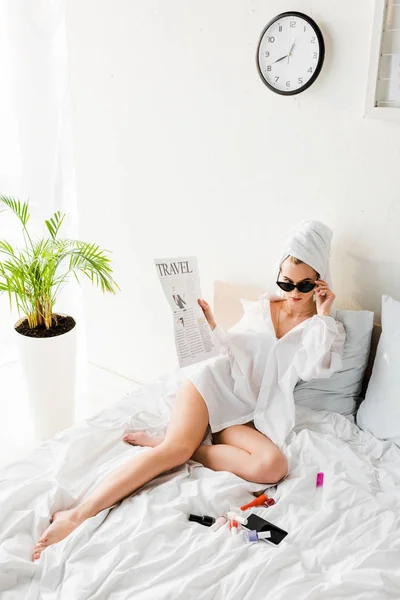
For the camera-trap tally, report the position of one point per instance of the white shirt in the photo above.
(254, 377)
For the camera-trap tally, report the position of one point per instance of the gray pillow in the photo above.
(340, 392)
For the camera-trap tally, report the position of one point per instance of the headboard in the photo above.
(228, 310)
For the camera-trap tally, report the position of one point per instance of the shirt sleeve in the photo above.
(322, 348)
(220, 339)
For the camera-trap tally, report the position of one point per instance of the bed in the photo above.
(145, 547)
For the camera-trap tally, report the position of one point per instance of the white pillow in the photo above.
(379, 413)
(340, 392)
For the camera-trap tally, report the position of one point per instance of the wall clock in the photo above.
(290, 53)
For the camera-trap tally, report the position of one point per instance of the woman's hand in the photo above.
(208, 313)
(325, 297)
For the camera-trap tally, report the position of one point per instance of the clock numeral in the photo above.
(288, 84)
(292, 23)
(314, 54)
(313, 40)
(271, 39)
(280, 27)
(276, 79)
(266, 53)
(309, 70)
(300, 80)
(305, 27)
(269, 68)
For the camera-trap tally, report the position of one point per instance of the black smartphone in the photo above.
(254, 522)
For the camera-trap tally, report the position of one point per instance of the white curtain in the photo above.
(36, 157)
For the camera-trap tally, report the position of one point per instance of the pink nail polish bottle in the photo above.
(218, 523)
(319, 490)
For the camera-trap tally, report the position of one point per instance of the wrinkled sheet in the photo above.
(145, 547)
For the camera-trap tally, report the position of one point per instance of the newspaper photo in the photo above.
(181, 284)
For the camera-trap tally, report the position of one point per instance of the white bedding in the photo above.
(145, 548)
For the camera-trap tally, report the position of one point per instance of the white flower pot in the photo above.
(49, 367)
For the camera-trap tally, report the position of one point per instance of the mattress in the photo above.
(146, 548)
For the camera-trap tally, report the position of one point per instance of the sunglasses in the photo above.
(303, 286)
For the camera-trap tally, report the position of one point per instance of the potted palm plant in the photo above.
(32, 277)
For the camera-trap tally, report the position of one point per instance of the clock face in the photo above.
(290, 53)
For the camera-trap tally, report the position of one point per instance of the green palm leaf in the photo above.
(20, 210)
(33, 276)
(54, 224)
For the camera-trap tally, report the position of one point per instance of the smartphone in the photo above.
(254, 522)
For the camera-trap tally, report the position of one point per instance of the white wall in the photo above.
(180, 149)
(36, 150)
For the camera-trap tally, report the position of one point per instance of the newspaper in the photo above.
(180, 280)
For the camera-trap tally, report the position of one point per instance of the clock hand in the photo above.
(279, 59)
(290, 51)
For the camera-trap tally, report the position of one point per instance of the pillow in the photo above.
(340, 392)
(379, 413)
(228, 307)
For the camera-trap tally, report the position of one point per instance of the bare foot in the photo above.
(62, 524)
(141, 438)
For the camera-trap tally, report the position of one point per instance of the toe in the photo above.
(129, 437)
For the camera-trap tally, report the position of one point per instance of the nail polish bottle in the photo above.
(269, 502)
(234, 517)
(319, 490)
(255, 536)
(204, 520)
(234, 527)
(218, 523)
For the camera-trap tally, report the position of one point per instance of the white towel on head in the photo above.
(310, 241)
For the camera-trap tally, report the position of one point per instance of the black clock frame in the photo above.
(321, 58)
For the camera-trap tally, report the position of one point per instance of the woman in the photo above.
(246, 395)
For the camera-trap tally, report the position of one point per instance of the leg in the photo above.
(189, 421)
(250, 454)
(240, 449)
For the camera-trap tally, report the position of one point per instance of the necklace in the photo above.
(306, 312)
(279, 316)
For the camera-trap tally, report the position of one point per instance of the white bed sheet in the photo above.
(145, 547)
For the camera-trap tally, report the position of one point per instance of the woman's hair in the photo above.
(296, 261)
